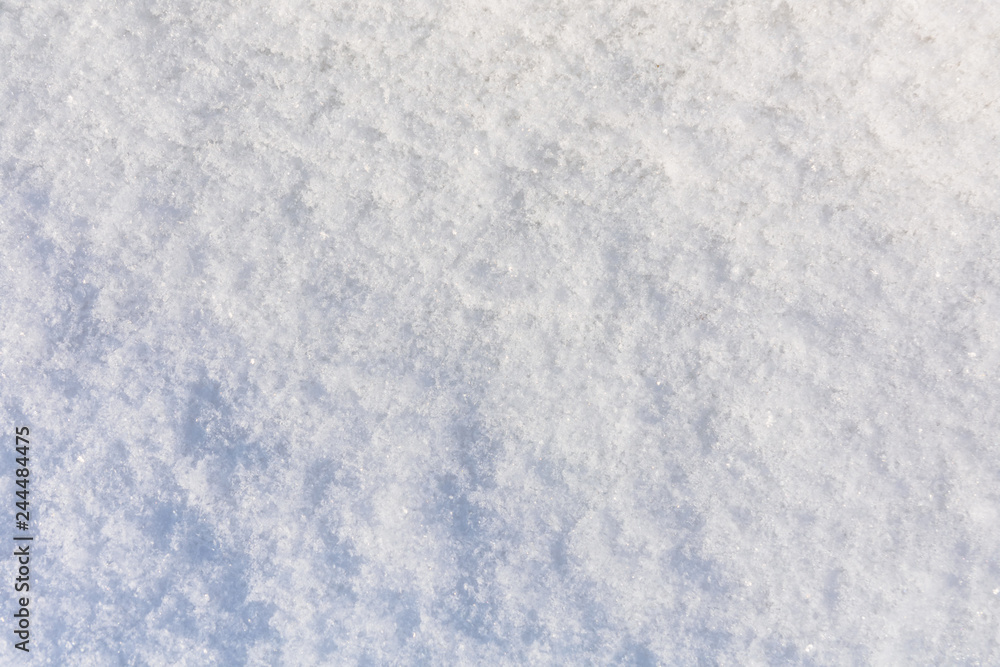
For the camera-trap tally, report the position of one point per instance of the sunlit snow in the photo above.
(503, 333)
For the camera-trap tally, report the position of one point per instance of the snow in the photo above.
(504, 333)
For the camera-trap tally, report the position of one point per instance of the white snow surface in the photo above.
(503, 333)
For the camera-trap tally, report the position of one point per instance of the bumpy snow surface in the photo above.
(501, 333)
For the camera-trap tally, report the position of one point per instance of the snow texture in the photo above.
(502, 333)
